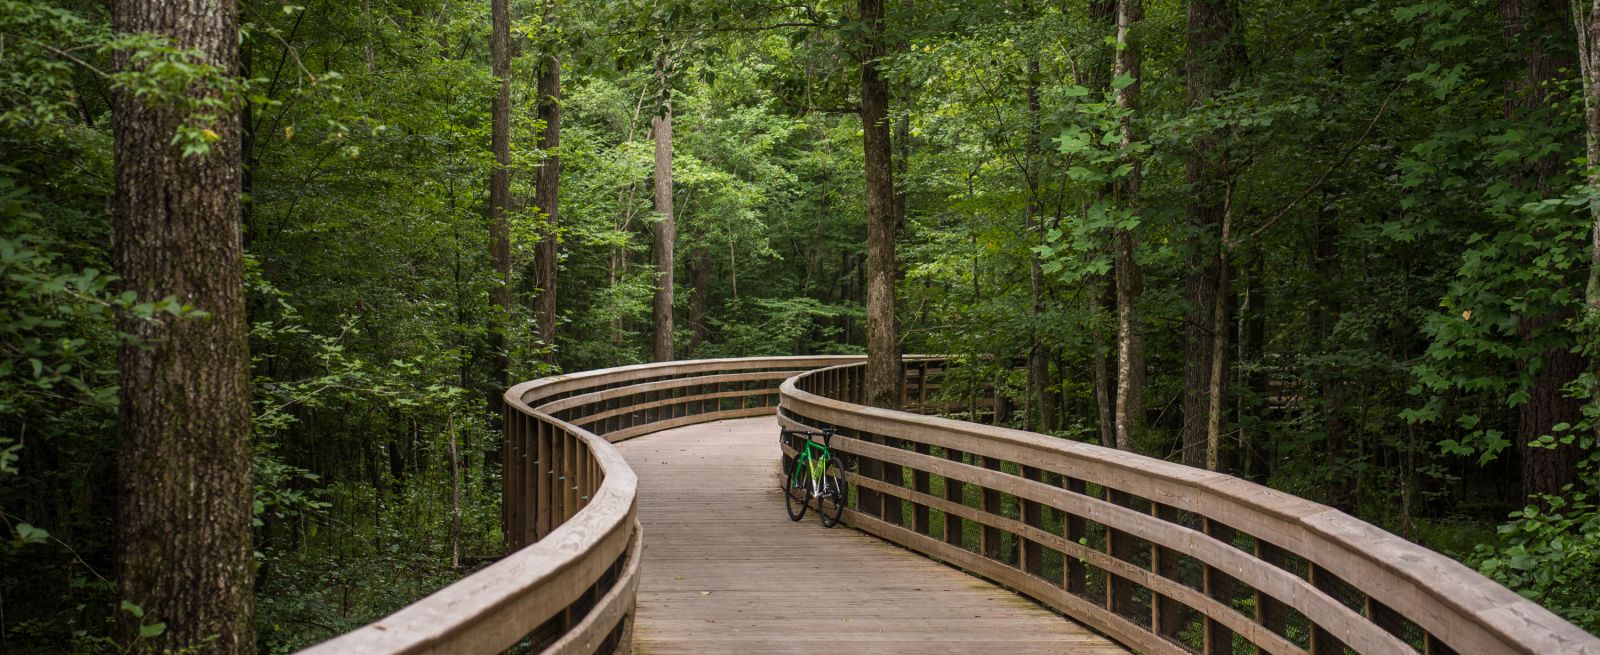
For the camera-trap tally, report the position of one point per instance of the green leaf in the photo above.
(131, 608)
(152, 630)
(32, 535)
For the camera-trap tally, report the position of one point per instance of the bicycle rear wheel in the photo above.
(797, 490)
(834, 496)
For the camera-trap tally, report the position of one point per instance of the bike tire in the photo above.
(796, 491)
(834, 496)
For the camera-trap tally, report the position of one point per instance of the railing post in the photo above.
(1075, 580)
(1119, 591)
(893, 474)
(1269, 612)
(869, 501)
(1323, 641)
(1032, 553)
(955, 492)
(527, 472)
(921, 482)
(991, 539)
(1167, 616)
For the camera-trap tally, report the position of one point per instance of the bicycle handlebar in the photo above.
(826, 434)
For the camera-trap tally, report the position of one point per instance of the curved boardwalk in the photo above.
(725, 571)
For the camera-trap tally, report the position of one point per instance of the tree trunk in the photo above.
(1105, 390)
(883, 342)
(1102, 295)
(665, 230)
(1252, 337)
(1212, 57)
(455, 496)
(1325, 314)
(546, 196)
(1527, 26)
(1547, 470)
(1129, 280)
(1217, 383)
(1038, 353)
(699, 268)
(1588, 30)
(184, 551)
(500, 195)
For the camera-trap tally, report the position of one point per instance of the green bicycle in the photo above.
(814, 473)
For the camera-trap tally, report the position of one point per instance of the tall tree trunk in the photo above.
(455, 495)
(1527, 26)
(184, 551)
(1105, 388)
(1038, 353)
(500, 195)
(665, 230)
(699, 269)
(1129, 280)
(883, 341)
(1217, 384)
(1325, 314)
(1588, 30)
(1252, 337)
(1547, 470)
(546, 196)
(1102, 295)
(1212, 57)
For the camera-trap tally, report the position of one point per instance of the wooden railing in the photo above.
(568, 509)
(1161, 557)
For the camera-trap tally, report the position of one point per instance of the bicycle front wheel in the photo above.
(797, 490)
(834, 496)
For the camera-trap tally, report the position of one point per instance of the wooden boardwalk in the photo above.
(725, 571)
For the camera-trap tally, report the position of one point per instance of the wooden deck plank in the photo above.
(725, 571)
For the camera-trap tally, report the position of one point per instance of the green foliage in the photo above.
(1391, 237)
(1551, 555)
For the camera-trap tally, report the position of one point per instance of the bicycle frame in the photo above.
(815, 456)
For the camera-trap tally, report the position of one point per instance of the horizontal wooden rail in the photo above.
(568, 510)
(1162, 557)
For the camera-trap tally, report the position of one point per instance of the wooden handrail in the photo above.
(1162, 557)
(568, 509)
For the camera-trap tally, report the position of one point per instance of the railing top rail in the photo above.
(1441, 595)
(530, 391)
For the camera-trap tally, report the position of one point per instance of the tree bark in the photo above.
(1102, 295)
(883, 342)
(1526, 25)
(1325, 315)
(1212, 57)
(1217, 383)
(546, 196)
(1105, 388)
(1038, 352)
(1252, 337)
(665, 231)
(1587, 24)
(500, 194)
(699, 269)
(455, 495)
(1129, 280)
(184, 551)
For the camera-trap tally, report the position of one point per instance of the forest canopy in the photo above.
(1345, 249)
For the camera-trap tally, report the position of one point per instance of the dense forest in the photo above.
(294, 253)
